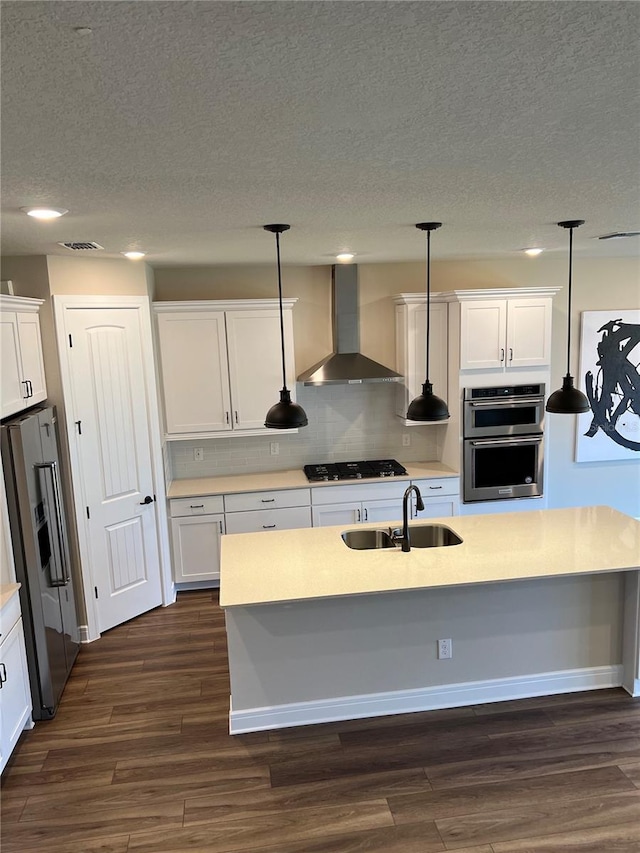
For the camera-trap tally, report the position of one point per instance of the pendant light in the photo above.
(285, 414)
(428, 407)
(568, 400)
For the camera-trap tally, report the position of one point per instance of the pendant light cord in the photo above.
(284, 370)
(569, 303)
(428, 297)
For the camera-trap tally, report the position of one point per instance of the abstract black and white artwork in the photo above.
(610, 377)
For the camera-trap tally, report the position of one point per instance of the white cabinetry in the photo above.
(22, 364)
(15, 698)
(411, 351)
(254, 512)
(356, 504)
(441, 497)
(196, 527)
(221, 365)
(506, 333)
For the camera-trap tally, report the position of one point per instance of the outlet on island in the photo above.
(275, 448)
(198, 454)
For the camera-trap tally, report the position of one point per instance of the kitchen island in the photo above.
(534, 603)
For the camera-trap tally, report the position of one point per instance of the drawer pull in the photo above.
(268, 500)
(268, 526)
(196, 506)
(435, 487)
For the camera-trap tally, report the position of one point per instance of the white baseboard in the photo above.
(423, 699)
(83, 631)
(633, 689)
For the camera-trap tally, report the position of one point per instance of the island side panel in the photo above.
(631, 635)
(314, 661)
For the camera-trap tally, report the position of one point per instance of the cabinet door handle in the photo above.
(29, 388)
(25, 382)
(510, 353)
(268, 500)
(366, 514)
(501, 353)
(268, 527)
(226, 416)
(358, 515)
(236, 416)
(220, 523)
(3, 674)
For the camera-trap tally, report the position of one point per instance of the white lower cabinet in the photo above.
(441, 497)
(196, 527)
(15, 696)
(374, 503)
(254, 512)
(357, 504)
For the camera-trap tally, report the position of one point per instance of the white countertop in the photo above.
(313, 563)
(292, 479)
(7, 591)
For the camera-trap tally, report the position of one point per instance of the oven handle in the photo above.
(502, 402)
(531, 439)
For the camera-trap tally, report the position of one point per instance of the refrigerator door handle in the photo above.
(51, 487)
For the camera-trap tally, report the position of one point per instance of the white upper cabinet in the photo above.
(505, 333)
(220, 365)
(411, 348)
(23, 381)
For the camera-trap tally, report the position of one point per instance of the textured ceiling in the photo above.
(181, 127)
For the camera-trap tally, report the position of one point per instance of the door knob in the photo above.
(147, 500)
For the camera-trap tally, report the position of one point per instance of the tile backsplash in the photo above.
(346, 422)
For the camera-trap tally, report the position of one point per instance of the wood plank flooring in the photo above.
(139, 760)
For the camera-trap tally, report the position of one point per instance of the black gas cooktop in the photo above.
(354, 470)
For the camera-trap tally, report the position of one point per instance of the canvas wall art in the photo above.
(610, 377)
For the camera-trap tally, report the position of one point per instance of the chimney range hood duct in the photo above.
(346, 365)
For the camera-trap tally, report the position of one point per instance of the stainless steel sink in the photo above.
(365, 540)
(420, 536)
(429, 535)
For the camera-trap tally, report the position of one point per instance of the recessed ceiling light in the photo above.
(83, 31)
(533, 252)
(134, 256)
(345, 257)
(44, 212)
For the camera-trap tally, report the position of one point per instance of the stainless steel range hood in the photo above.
(346, 365)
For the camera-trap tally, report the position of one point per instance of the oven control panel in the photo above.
(504, 391)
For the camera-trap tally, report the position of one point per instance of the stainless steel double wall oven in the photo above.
(503, 442)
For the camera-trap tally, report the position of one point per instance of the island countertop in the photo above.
(291, 479)
(314, 563)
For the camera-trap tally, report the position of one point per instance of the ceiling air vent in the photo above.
(82, 247)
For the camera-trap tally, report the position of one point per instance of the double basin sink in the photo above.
(420, 536)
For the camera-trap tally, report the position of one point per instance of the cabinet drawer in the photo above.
(361, 492)
(195, 506)
(440, 486)
(266, 500)
(268, 519)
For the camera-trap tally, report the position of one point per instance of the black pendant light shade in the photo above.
(426, 406)
(568, 400)
(285, 414)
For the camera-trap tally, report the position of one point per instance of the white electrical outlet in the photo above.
(406, 439)
(198, 454)
(275, 448)
(445, 649)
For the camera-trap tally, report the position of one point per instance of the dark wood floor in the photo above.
(138, 760)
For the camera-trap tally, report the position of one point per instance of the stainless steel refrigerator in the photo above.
(40, 548)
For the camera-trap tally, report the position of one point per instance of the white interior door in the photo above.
(110, 410)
